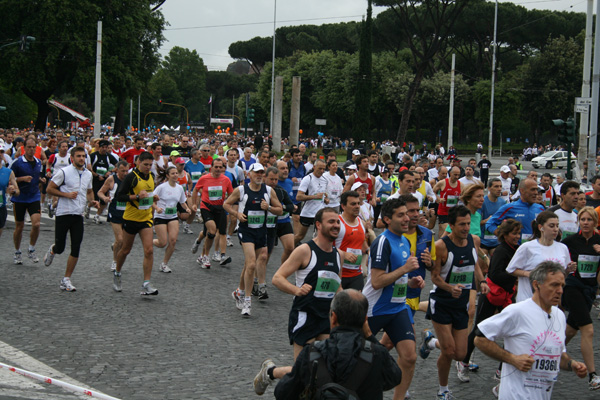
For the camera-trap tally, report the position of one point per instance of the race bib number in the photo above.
(356, 264)
(566, 234)
(170, 211)
(544, 371)
(451, 201)
(146, 202)
(587, 266)
(462, 275)
(111, 167)
(489, 236)
(2, 196)
(384, 197)
(101, 171)
(271, 220)
(215, 193)
(296, 185)
(547, 203)
(525, 238)
(399, 293)
(335, 193)
(121, 205)
(256, 219)
(327, 284)
(196, 176)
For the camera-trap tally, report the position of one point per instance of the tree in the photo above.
(362, 99)
(426, 25)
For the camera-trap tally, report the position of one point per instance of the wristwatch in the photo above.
(137, 197)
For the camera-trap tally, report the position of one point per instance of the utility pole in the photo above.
(98, 94)
(595, 96)
(584, 121)
(493, 82)
(451, 112)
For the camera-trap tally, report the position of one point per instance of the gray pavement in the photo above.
(189, 342)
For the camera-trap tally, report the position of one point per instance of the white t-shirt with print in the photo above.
(312, 185)
(168, 198)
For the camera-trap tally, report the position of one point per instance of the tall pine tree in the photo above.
(361, 126)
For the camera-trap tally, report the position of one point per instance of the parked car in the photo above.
(553, 159)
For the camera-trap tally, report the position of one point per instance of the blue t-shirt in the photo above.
(286, 185)
(195, 170)
(4, 180)
(489, 208)
(30, 191)
(388, 252)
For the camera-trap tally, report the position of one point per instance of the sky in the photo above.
(209, 27)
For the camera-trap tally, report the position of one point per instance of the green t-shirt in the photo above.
(475, 225)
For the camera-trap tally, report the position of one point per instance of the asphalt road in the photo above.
(189, 342)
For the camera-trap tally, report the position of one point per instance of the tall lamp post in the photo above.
(273, 67)
(493, 81)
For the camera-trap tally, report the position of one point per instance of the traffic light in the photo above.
(159, 102)
(25, 41)
(251, 115)
(571, 130)
(561, 125)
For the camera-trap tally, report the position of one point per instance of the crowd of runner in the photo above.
(509, 257)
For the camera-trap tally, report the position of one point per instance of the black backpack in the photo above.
(322, 386)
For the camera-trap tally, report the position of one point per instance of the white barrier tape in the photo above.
(57, 382)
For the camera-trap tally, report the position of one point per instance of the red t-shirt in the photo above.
(131, 155)
(207, 162)
(214, 190)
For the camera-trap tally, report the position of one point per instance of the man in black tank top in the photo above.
(455, 273)
(317, 267)
(255, 201)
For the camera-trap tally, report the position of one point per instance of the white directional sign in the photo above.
(583, 101)
(581, 109)
(221, 121)
(320, 122)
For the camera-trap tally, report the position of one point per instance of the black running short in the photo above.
(19, 210)
(303, 326)
(307, 221)
(285, 229)
(438, 312)
(163, 221)
(2, 216)
(134, 227)
(218, 215)
(579, 306)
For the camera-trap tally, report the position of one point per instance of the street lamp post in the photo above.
(273, 67)
(493, 80)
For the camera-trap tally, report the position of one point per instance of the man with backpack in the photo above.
(349, 364)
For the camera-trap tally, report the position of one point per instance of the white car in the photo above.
(553, 159)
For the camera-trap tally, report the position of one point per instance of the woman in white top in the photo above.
(543, 247)
(334, 185)
(166, 224)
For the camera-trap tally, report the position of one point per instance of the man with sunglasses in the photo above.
(206, 158)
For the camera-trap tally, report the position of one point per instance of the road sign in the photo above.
(320, 122)
(583, 101)
(581, 109)
(221, 121)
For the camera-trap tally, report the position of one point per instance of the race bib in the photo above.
(587, 266)
(111, 167)
(356, 264)
(296, 185)
(271, 220)
(489, 236)
(101, 171)
(335, 193)
(526, 238)
(146, 202)
(215, 193)
(451, 201)
(2, 196)
(121, 205)
(327, 284)
(283, 216)
(399, 293)
(462, 275)
(547, 203)
(256, 219)
(544, 370)
(170, 211)
(384, 197)
(196, 176)
(566, 234)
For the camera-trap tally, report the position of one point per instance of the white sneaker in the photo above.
(216, 257)
(204, 262)
(113, 266)
(463, 372)
(97, 220)
(195, 247)
(496, 390)
(186, 229)
(164, 268)
(49, 256)
(246, 308)
(229, 242)
(594, 383)
(65, 284)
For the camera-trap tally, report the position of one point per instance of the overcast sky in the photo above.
(210, 27)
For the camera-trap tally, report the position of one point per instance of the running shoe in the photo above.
(117, 281)
(186, 229)
(229, 242)
(32, 256)
(255, 288)
(224, 260)
(262, 379)
(463, 372)
(239, 302)
(246, 308)
(113, 266)
(424, 350)
(195, 247)
(216, 257)
(164, 268)
(498, 374)
(65, 284)
(50, 211)
(205, 263)
(148, 290)
(447, 395)
(87, 212)
(49, 257)
(594, 383)
(407, 396)
(496, 390)
(262, 293)
(97, 220)
(17, 258)
(473, 367)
